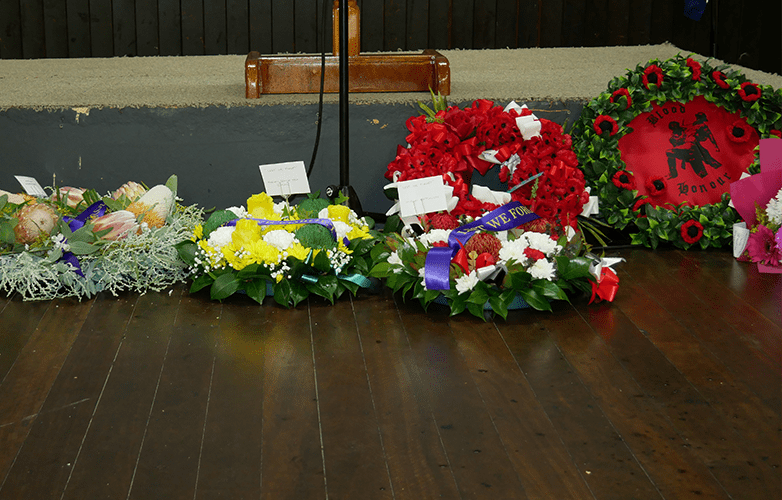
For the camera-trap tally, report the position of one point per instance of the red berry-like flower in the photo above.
(692, 231)
(605, 123)
(624, 180)
(739, 131)
(653, 75)
(443, 221)
(484, 243)
(719, 79)
(695, 66)
(749, 92)
(619, 93)
(655, 185)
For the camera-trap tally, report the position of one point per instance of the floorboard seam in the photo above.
(317, 400)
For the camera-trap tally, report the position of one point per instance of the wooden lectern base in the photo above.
(300, 74)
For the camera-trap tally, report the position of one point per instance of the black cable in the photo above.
(322, 85)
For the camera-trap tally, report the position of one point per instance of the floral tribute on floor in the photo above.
(490, 250)
(662, 145)
(288, 252)
(76, 243)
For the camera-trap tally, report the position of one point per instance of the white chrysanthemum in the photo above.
(220, 237)
(239, 212)
(434, 236)
(341, 228)
(514, 250)
(774, 208)
(279, 208)
(279, 238)
(421, 273)
(502, 236)
(542, 242)
(542, 269)
(467, 282)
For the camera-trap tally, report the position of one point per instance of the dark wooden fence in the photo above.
(746, 32)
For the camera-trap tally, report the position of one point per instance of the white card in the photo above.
(283, 179)
(31, 186)
(422, 196)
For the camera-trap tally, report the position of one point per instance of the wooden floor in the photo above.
(673, 391)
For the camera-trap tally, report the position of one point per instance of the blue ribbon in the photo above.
(265, 222)
(97, 209)
(438, 260)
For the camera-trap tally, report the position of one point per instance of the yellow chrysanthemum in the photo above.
(236, 256)
(247, 231)
(264, 253)
(261, 206)
(299, 251)
(358, 233)
(198, 232)
(339, 212)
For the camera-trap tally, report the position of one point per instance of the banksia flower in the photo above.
(35, 221)
(154, 206)
(71, 196)
(130, 190)
(484, 243)
(120, 224)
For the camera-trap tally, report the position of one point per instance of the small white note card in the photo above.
(421, 196)
(284, 179)
(31, 186)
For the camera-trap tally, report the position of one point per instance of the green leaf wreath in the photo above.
(605, 120)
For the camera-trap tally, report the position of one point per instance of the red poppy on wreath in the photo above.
(653, 75)
(695, 66)
(749, 92)
(622, 92)
(655, 185)
(623, 179)
(739, 131)
(719, 79)
(605, 123)
(692, 231)
(639, 204)
(776, 133)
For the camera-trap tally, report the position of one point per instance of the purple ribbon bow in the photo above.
(97, 209)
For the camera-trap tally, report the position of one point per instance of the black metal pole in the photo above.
(344, 149)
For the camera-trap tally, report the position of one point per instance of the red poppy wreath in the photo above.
(661, 146)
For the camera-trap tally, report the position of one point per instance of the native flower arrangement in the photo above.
(491, 250)
(285, 251)
(76, 243)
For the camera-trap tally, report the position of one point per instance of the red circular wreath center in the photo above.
(697, 149)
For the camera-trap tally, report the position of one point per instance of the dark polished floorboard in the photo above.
(671, 392)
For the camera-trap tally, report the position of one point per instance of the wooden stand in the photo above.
(300, 74)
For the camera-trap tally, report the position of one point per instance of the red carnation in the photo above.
(653, 75)
(749, 92)
(605, 123)
(695, 66)
(622, 92)
(719, 79)
(484, 243)
(692, 231)
(655, 185)
(534, 254)
(624, 180)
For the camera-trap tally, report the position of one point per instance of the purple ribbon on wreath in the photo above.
(437, 268)
(265, 222)
(97, 209)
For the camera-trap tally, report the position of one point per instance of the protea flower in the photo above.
(120, 222)
(131, 190)
(35, 220)
(154, 206)
(71, 196)
(16, 198)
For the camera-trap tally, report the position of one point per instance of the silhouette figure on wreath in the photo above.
(687, 146)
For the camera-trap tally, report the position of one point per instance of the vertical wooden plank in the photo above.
(55, 28)
(124, 23)
(616, 23)
(394, 19)
(33, 38)
(170, 454)
(282, 27)
(507, 24)
(10, 30)
(529, 23)
(371, 25)
(19, 321)
(260, 26)
(305, 26)
(215, 27)
(521, 421)
(101, 29)
(596, 23)
(237, 27)
(416, 460)
(662, 14)
(768, 44)
(610, 468)
(78, 23)
(485, 23)
(26, 386)
(462, 28)
(169, 27)
(639, 22)
(45, 461)
(417, 25)
(574, 23)
(192, 27)
(476, 456)
(292, 455)
(107, 459)
(355, 461)
(147, 38)
(551, 23)
(440, 24)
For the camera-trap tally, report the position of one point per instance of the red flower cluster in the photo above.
(450, 144)
(652, 75)
(619, 93)
(749, 92)
(695, 66)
